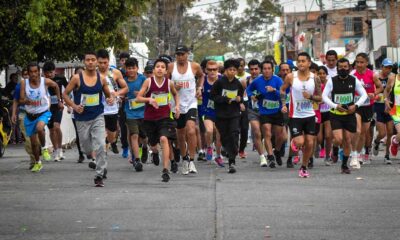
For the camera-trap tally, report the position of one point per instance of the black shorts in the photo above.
(317, 128)
(273, 119)
(183, 118)
(381, 116)
(298, 126)
(324, 117)
(345, 122)
(201, 124)
(155, 129)
(111, 122)
(209, 118)
(366, 113)
(56, 116)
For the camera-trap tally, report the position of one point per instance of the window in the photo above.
(353, 27)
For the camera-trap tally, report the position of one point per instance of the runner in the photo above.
(114, 79)
(56, 112)
(242, 75)
(135, 114)
(253, 111)
(158, 124)
(267, 87)
(123, 56)
(331, 62)
(342, 89)
(364, 113)
(209, 114)
(227, 94)
(88, 88)
(384, 122)
(34, 96)
(183, 74)
(325, 134)
(305, 89)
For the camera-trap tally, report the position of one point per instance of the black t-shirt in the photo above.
(61, 81)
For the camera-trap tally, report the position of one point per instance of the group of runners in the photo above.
(178, 109)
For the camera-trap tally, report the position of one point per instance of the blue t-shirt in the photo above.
(268, 102)
(17, 96)
(208, 104)
(133, 109)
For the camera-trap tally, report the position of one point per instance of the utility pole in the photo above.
(322, 23)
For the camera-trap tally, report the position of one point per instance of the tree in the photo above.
(61, 29)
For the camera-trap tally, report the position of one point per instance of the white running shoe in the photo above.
(56, 155)
(192, 167)
(61, 154)
(263, 161)
(185, 167)
(355, 162)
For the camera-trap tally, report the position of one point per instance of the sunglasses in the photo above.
(212, 69)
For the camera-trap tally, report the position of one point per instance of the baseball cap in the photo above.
(387, 62)
(181, 49)
(148, 69)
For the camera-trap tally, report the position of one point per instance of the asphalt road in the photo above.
(60, 202)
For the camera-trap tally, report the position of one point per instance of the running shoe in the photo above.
(242, 154)
(98, 182)
(209, 154)
(263, 161)
(174, 166)
(140, 152)
(334, 158)
(165, 175)
(92, 164)
(231, 168)
(316, 151)
(365, 159)
(46, 155)
(56, 155)
(31, 165)
(192, 167)
(394, 147)
(271, 161)
(37, 167)
(114, 148)
(201, 156)
(355, 162)
(125, 152)
(105, 173)
(289, 163)
(61, 154)
(156, 158)
(177, 154)
(322, 153)
(341, 154)
(303, 173)
(375, 148)
(219, 161)
(81, 159)
(311, 163)
(137, 165)
(185, 167)
(387, 160)
(145, 155)
(278, 157)
(293, 146)
(328, 162)
(345, 170)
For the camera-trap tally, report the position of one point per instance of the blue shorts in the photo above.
(30, 125)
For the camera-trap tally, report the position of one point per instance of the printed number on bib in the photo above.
(90, 100)
(304, 105)
(229, 93)
(135, 105)
(380, 98)
(184, 84)
(366, 103)
(38, 102)
(54, 99)
(268, 104)
(210, 104)
(161, 99)
(324, 107)
(343, 98)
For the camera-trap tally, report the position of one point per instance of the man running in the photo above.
(331, 61)
(56, 112)
(89, 87)
(158, 124)
(123, 56)
(183, 74)
(339, 93)
(305, 89)
(114, 79)
(384, 122)
(34, 96)
(268, 87)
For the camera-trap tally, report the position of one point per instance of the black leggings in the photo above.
(77, 138)
(229, 131)
(244, 130)
(122, 127)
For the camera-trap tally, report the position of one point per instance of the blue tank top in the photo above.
(133, 109)
(90, 98)
(208, 104)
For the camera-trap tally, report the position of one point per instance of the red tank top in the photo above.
(367, 80)
(161, 95)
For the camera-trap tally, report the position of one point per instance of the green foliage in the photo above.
(35, 30)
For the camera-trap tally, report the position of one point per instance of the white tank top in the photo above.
(110, 109)
(38, 96)
(300, 107)
(187, 94)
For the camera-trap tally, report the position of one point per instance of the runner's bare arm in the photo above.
(140, 96)
(387, 91)
(200, 78)
(378, 84)
(170, 69)
(104, 85)
(73, 84)
(22, 99)
(174, 93)
(286, 84)
(54, 85)
(317, 97)
(120, 79)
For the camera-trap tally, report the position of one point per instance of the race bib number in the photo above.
(90, 100)
(343, 99)
(210, 104)
(268, 104)
(54, 99)
(255, 105)
(315, 106)
(161, 99)
(135, 105)
(397, 100)
(324, 107)
(38, 102)
(184, 84)
(366, 103)
(304, 105)
(229, 93)
(380, 98)
(199, 102)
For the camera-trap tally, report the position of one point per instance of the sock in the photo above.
(344, 161)
(335, 150)
(262, 155)
(137, 159)
(354, 153)
(191, 160)
(367, 150)
(303, 167)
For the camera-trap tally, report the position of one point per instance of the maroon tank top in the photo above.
(161, 95)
